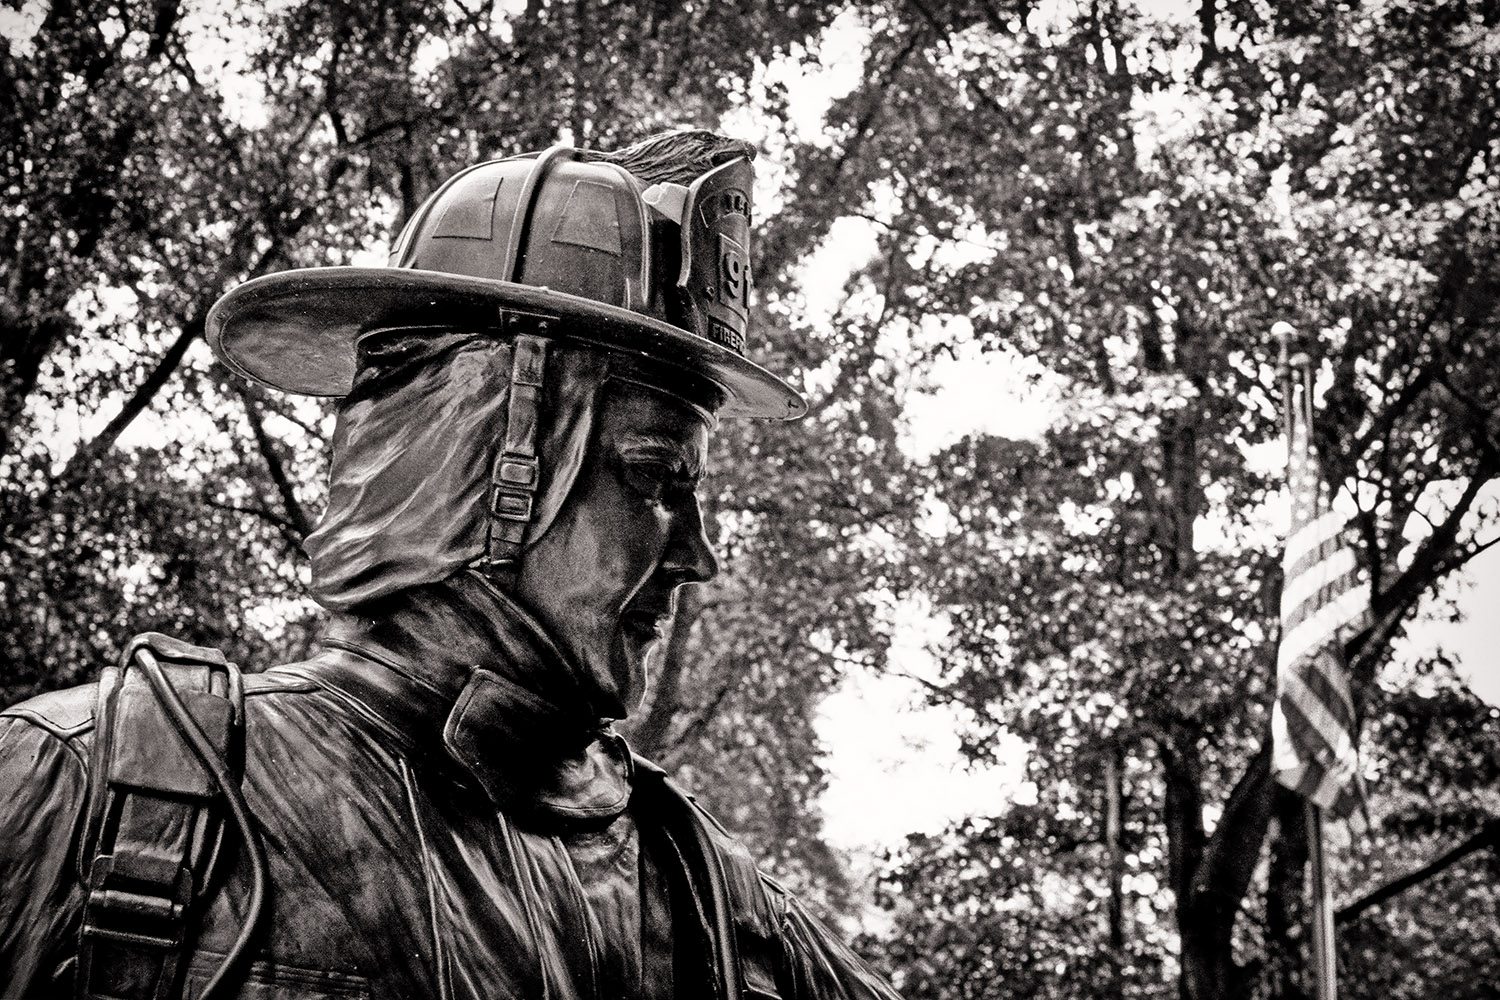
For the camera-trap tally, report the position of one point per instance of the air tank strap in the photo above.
(156, 818)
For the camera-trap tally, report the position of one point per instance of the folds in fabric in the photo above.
(412, 454)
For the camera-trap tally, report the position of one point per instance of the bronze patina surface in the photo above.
(437, 803)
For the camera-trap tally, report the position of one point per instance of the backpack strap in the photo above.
(151, 844)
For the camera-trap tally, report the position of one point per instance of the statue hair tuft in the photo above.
(678, 157)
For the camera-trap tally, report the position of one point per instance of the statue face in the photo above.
(602, 578)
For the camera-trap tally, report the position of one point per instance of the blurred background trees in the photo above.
(1109, 205)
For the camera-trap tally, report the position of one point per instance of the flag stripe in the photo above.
(1329, 692)
(1314, 779)
(1322, 597)
(1307, 535)
(1326, 794)
(1351, 610)
(1315, 730)
(1326, 547)
(1308, 780)
(1325, 594)
(1333, 570)
(1285, 760)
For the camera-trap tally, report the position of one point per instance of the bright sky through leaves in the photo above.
(894, 762)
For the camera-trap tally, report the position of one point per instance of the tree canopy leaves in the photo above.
(1128, 201)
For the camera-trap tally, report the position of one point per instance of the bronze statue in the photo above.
(435, 804)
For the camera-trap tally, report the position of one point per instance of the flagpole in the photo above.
(1283, 332)
(1325, 955)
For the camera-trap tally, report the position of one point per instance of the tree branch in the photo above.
(701, 719)
(296, 516)
(83, 460)
(264, 513)
(1434, 558)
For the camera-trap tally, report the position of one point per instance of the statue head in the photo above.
(529, 388)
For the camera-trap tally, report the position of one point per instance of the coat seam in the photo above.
(439, 952)
(593, 931)
(68, 739)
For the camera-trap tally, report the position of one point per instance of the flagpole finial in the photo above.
(1294, 354)
(1284, 333)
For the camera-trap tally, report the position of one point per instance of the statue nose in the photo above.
(690, 558)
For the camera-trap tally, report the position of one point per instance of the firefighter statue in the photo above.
(435, 804)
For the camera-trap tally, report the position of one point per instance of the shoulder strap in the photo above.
(156, 813)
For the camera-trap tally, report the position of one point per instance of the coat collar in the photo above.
(458, 671)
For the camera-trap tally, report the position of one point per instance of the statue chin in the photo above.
(610, 663)
(621, 684)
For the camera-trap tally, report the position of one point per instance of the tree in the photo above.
(1440, 754)
(1131, 203)
(1147, 200)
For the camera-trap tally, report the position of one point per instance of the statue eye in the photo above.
(657, 478)
(651, 478)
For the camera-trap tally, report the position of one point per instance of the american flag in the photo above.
(1323, 600)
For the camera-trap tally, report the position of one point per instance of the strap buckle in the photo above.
(513, 490)
(516, 473)
(138, 900)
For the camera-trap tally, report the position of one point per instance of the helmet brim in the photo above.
(296, 331)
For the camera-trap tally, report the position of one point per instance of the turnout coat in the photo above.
(431, 829)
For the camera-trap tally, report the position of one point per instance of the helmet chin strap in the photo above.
(515, 475)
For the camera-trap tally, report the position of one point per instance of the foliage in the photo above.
(1129, 202)
(1441, 757)
(1135, 204)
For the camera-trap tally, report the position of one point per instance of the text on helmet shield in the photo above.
(716, 254)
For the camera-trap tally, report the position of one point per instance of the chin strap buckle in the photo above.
(516, 474)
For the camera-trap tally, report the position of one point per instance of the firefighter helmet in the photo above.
(645, 252)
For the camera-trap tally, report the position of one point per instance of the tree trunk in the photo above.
(1286, 912)
(1217, 874)
(1114, 840)
(1113, 835)
(1184, 822)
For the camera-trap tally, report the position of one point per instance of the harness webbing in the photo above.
(156, 815)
